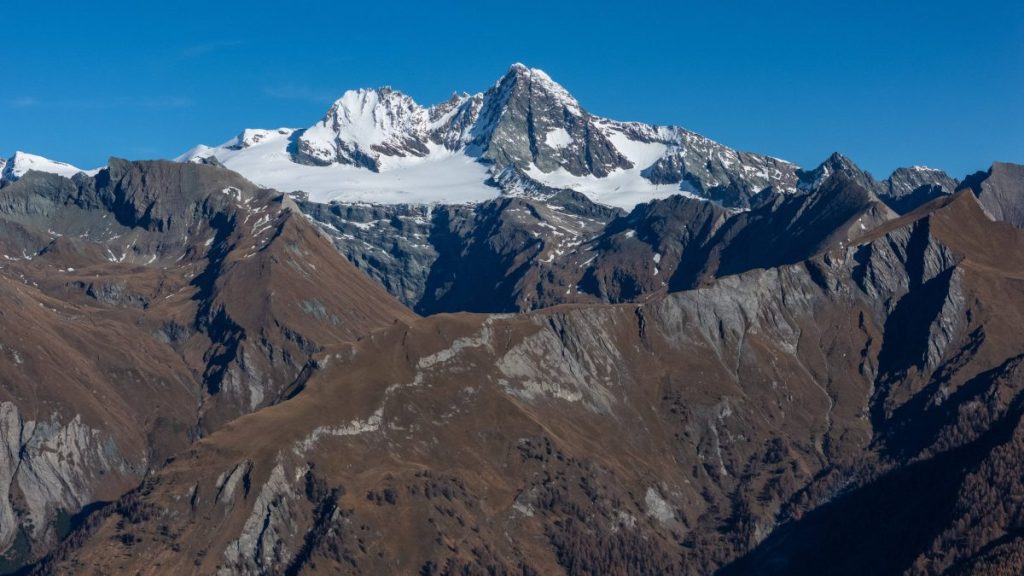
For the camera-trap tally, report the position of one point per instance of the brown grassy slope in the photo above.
(740, 422)
(565, 429)
(142, 309)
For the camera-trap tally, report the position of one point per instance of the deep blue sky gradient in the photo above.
(888, 83)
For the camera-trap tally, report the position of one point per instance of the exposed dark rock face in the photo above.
(704, 167)
(529, 253)
(461, 112)
(636, 255)
(527, 119)
(497, 256)
(792, 229)
(946, 410)
(835, 164)
(585, 252)
(390, 243)
(903, 191)
(908, 188)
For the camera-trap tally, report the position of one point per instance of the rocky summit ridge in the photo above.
(524, 136)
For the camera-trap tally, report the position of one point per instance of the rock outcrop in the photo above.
(1001, 191)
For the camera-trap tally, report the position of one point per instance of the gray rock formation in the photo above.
(708, 169)
(51, 466)
(141, 309)
(532, 253)
(836, 163)
(527, 120)
(1000, 191)
(908, 188)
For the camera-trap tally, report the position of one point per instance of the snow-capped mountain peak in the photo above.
(916, 182)
(530, 121)
(836, 162)
(369, 117)
(364, 125)
(525, 135)
(21, 162)
(539, 81)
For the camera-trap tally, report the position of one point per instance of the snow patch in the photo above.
(443, 176)
(623, 188)
(558, 138)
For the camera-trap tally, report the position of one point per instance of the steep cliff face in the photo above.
(528, 254)
(636, 256)
(528, 120)
(503, 255)
(788, 230)
(717, 427)
(51, 469)
(1001, 191)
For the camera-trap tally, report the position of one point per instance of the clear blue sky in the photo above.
(887, 83)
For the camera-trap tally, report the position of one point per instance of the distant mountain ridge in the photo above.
(524, 136)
